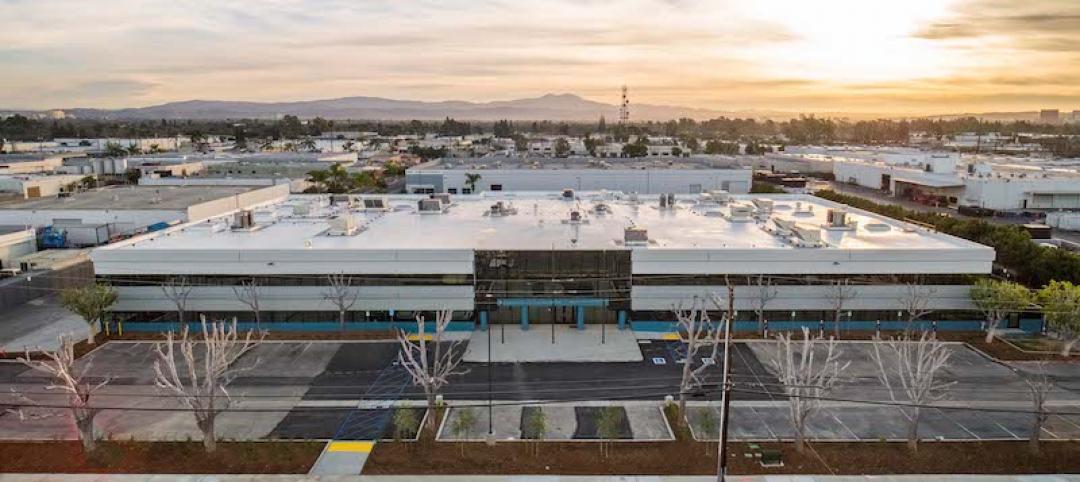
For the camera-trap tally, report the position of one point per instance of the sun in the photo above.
(847, 41)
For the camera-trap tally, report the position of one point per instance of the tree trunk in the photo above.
(90, 329)
(1066, 347)
(431, 406)
(85, 425)
(341, 320)
(206, 425)
(800, 438)
(913, 431)
(1036, 432)
(991, 330)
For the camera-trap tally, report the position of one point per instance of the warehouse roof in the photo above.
(133, 198)
(547, 163)
(543, 221)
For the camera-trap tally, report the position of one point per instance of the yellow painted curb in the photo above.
(669, 336)
(359, 447)
(417, 337)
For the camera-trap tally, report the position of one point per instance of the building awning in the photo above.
(930, 182)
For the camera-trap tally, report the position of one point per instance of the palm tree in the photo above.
(308, 145)
(470, 180)
(349, 146)
(154, 148)
(318, 178)
(266, 145)
(289, 147)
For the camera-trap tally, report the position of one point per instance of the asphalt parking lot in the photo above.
(307, 389)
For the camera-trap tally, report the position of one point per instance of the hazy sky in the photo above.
(885, 56)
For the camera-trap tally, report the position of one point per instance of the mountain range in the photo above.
(552, 107)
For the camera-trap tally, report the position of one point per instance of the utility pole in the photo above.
(725, 394)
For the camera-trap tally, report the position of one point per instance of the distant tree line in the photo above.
(801, 131)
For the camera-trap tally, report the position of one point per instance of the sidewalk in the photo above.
(523, 478)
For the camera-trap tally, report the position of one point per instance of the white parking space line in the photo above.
(841, 422)
(1007, 430)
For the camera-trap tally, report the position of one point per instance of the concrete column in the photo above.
(622, 319)
(579, 313)
(483, 320)
(525, 318)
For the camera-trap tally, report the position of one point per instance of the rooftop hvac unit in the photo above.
(837, 219)
(568, 194)
(341, 199)
(740, 213)
(266, 216)
(763, 205)
(807, 237)
(301, 209)
(343, 226)
(720, 196)
(635, 236)
(784, 227)
(575, 216)
(500, 209)
(376, 203)
(244, 220)
(429, 206)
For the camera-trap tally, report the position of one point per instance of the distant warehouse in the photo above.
(563, 257)
(649, 175)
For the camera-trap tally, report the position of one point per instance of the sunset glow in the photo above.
(889, 57)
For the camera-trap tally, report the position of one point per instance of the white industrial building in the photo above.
(947, 179)
(93, 217)
(560, 257)
(29, 163)
(647, 175)
(15, 242)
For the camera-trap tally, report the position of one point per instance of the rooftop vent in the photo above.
(837, 220)
(243, 220)
(635, 236)
(568, 194)
(667, 201)
(342, 200)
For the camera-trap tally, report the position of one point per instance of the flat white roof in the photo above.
(542, 223)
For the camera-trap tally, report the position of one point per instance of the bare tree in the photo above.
(915, 301)
(178, 290)
(200, 381)
(60, 365)
(766, 292)
(339, 292)
(430, 371)
(1040, 384)
(808, 370)
(697, 332)
(248, 293)
(839, 294)
(910, 374)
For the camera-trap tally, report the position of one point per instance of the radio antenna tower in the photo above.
(624, 107)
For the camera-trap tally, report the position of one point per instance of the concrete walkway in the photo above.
(525, 478)
(511, 344)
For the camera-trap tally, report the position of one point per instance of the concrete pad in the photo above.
(509, 343)
(31, 423)
(37, 324)
(342, 458)
(648, 423)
